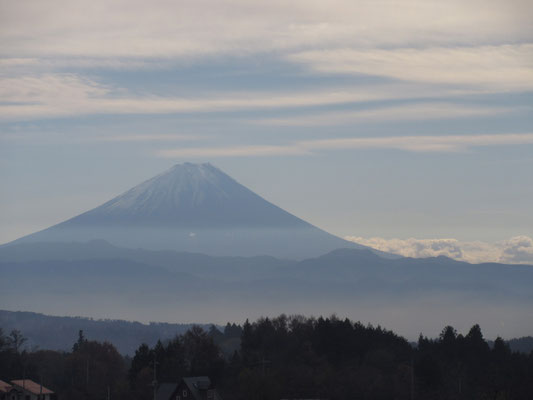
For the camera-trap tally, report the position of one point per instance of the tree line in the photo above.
(284, 357)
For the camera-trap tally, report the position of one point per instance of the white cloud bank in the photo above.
(516, 250)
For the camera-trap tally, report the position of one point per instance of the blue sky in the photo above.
(406, 125)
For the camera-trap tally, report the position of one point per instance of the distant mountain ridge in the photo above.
(195, 208)
(411, 295)
(49, 332)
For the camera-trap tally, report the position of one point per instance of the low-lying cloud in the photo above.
(516, 250)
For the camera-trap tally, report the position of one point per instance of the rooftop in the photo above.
(31, 386)
(4, 386)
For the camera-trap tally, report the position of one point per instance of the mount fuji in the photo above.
(134, 258)
(195, 208)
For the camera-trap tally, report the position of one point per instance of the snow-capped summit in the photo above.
(195, 207)
(183, 185)
(190, 196)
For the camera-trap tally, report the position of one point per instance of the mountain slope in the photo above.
(195, 208)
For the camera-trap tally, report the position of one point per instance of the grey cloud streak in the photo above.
(450, 143)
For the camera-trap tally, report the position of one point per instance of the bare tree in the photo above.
(16, 340)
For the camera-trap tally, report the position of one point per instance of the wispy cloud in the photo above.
(407, 112)
(501, 67)
(236, 151)
(424, 143)
(133, 28)
(450, 143)
(66, 95)
(156, 137)
(47, 63)
(57, 95)
(518, 250)
(36, 137)
(455, 48)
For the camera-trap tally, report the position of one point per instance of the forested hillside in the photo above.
(284, 357)
(56, 333)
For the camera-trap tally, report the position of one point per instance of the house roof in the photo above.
(196, 384)
(199, 385)
(31, 386)
(165, 391)
(4, 387)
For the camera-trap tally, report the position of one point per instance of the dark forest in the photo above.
(285, 357)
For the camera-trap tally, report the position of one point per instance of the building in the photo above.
(24, 389)
(191, 388)
(4, 390)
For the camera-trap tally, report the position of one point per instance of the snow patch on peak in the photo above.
(192, 196)
(183, 185)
